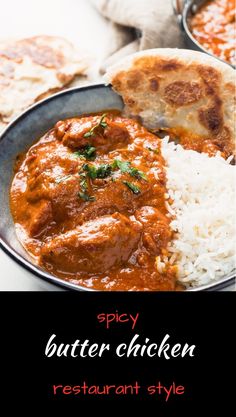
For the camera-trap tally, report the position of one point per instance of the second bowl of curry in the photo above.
(209, 26)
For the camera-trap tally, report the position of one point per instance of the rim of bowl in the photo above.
(36, 270)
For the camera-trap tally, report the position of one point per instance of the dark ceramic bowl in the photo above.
(21, 133)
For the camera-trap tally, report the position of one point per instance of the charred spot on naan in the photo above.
(210, 77)
(211, 117)
(134, 79)
(153, 84)
(181, 93)
(41, 54)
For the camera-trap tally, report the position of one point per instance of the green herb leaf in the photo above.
(86, 197)
(83, 182)
(101, 123)
(88, 152)
(88, 134)
(61, 179)
(78, 154)
(104, 170)
(134, 188)
(156, 151)
(91, 170)
(126, 167)
(101, 171)
(134, 172)
(84, 187)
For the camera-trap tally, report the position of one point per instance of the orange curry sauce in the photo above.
(213, 26)
(89, 203)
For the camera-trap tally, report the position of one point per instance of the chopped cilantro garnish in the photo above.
(134, 172)
(134, 188)
(156, 151)
(61, 179)
(91, 170)
(88, 152)
(101, 123)
(89, 133)
(126, 167)
(84, 187)
(104, 171)
(100, 171)
(86, 197)
(83, 182)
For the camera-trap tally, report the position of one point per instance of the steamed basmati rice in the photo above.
(202, 189)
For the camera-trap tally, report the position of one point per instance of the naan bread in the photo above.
(31, 69)
(181, 89)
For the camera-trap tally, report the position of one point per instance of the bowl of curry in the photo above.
(209, 26)
(85, 209)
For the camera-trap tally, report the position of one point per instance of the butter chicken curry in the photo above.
(88, 200)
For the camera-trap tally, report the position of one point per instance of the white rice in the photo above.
(203, 192)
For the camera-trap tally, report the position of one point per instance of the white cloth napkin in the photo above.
(153, 20)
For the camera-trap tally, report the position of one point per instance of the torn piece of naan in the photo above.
(32, 69)
(188, 91)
